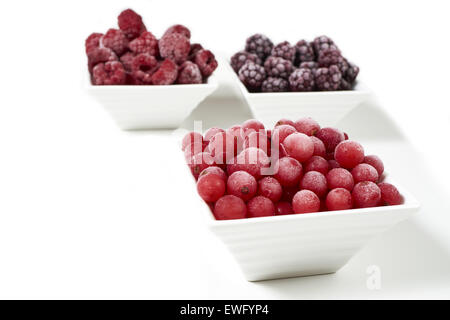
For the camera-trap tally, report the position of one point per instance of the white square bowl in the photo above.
(326, 107)
(151, 107)
(305, 244)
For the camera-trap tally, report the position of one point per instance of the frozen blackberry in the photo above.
(241, 57)
(305, 52)
(328, 79)
(329, 57)
(309, 65)
(260, 45)
(272, 84)
(252, 75)
(278, 67)
(351, 73)
(322, 43)
(345, 85)
(284, 50)
(302, 80)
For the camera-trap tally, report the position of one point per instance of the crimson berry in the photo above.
(210, 187)
(166, 73)
(200, 162)
(282, 208)
(193, 149)
(299, 146)
(364, 172)
(191, 137)
(257, 140)
(260, 206)
(366, 194)
(307, 126)
(214, 170)
(330, 137)
(319, 147)
(349, 154)
(253, 160)
(253, 124)
(230, 207)
(316, 163)
(242, 184)
(289, 171)
(211, 132)
(375, 162)
(206, 61)
(281, 132)
(145, 43)
(339, 199)
(174, 46)
(284, 121)
(340, 178)
(390, 194)
(269, 187)
(333, 164)
(315, 182)
(305, 201)
(178, 28)
(131, 24)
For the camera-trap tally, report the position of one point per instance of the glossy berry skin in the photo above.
(242, 184)
(214, 170)
(364, 172)
(340, 178)
(366, 194)
(319, 147)
(375, 162)
(299, 146)
(210, 187)
(269, 187)
(283, 208)
(289, 171)
(191, 137)
(200, 162)
(315, 182)
(260, 206)
(339, 199)
(316, 163)
(307, 126)
(389, 194)
(230, 207)
(330, 137)
(349, 154)
(305, 201)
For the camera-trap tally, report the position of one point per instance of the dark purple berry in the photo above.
(241, 57)
(351, 73)
(302, 80)
(329, 57)
(305, 51)
(260, 45)
(278, 67)
(322, 43)
(252, 75)
(345, 85)
(328, 79)
(309, 65)
(284, 50)
(272, 84)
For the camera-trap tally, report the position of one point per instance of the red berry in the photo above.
(364, 172)
(319, 147)
(253, 160)
(206, 62)
(143, 67)
(366, 194)
(145, 43)
(211, 132)
(222, 147)
(315, 182)
(189, 73)
(305, 201)
(333, 164)
(340, 178)
(299, 146)
(316, 163)
(260, 206)
(281, 132)
(375, 162)
(230, 207)
(239, 135)
(99, 55)
(390, 194)
(339, 199)
(242, 185)
(166, 74)
(349, 154)
(127, 60)
(92, 42)
(289, 193)
(282, 208)
(191, 137)
(115, 40)
(269, 187)
(214, 170)
(193, 149)
(174, 46)
(257, 140)
(307, 126)
(195, 47)
(178, 28)
(330, 137)
(210, 187)
(285, 121)
(131, 24)
(252, 124)
(289, 171)
(200, 162)
(109, 73)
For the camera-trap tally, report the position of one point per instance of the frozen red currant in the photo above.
(242, 184)
(191, 137)
(238, 132)
(253, 124)
(315, 182)
(299, 146)
(307, 126)
(366, 194)
(269, 187)
(282, 208)
(211, 132)
(349, 154)
(364, 172)
(256, 139)
(319, 147)
(289, 171)
(316, 163)
(284, 121)
(339, 199)
(375, 162)
(340, 178)
(200, 162)
(222, 147)
(214, 170)
(305, 201)
(389, 194)
(210, 187)
(230, 207)
(281, 132)
(193, 149)
(253, 160)
(330, 137)
(260, 206)
(333, 164)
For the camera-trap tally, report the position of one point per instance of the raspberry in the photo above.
(195, 47)
(278, 67)
(339, 199)
(166, 74)
(109, 73)
(289, 171)
(316, 163)
(349, 154)
(115, 40)
(302, 80)
(230, 207)
(319, 147)
(284, 50)
(272, 84)
(200, 162)
(389, 194)
(211, 132)
(305, 201)
(282, 208)
(340, 178)
(206, 62)
(260, 45)
(322, 43)
(328, 79)
(241, 57)
(145, 43)
(143, 66)
(191, 137)
(127, 61)
(307, 125)
(93, 41)
(305, 52)
(214, 170)
(351, 72)
(252, 75)
(174, 46)
(252, 160)
(178, 28)
(366, 194)
(330, 137)
(331, 57)
(270, 188)
(131, 24)
(260, 206)
(189, 73)
(299, 146)
(210, 187)
(315, 182)
(252, 125)
(375, 162)
(242, 185)
(98, 55)
(309, 65)
(364, 172)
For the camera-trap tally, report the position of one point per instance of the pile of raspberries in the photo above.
(307, 66)
(131, 55)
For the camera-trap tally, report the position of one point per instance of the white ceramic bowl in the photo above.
(151, 107)
(326, 107)
(304, 244)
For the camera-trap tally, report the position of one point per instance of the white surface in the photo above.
(88, 211)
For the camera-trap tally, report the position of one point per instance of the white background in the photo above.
(88, 211)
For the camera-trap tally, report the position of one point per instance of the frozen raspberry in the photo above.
(299, 146)
(200, 162)
(316, 163)
(349, 154)
(389, 194)
(305, 201)
(214, 170)
(260, 45)
(109, 73)
(127, 61)
(98, 55)
(230, 207)
(223, 147)
(210, 187)
(191, 137)
(339, 199)
(131, 24)
(366, 194)
(252, 125)
(195, 47)
(174, 46)
(145, 43)
(364, 172)
(211, 132)
(284, 50)
(206, 62)
(252, 75)
(328, 79)
(241, 57)
(315, 182)
(253, 160)
(312, 65)
(289, 171)
(115, 40)
(272, 84)
(322, 43)
(330, 137)
(319, 147)
(189, 73)
(334, 164)
(302, 80)
(282, 208)
(143, 67)
(305, 52)
(340, 178)
(242, 185)
(270, 188)
(278, 67)
(375, 162)
(178, 28)
(260, 206)
(284, 121)
(93, 41)
(351, 72)
(166, 74)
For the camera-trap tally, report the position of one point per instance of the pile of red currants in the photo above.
(297, 167)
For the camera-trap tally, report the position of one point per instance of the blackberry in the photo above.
(278, 67)
(284, 50)
(241, 57)
(302, 80)
(351, 73)
(322, 43)
(345, 85)
(252, 75)
(309, 65)
(272, 84)
(260, 45)
(305, 52)
(328, 79)
(329, 57)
